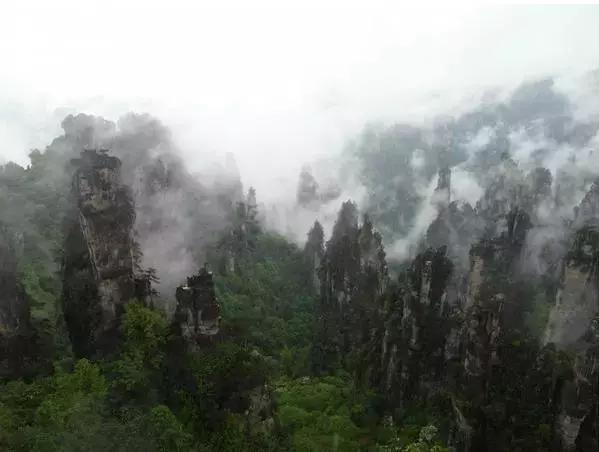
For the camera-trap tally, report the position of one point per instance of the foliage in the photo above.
(156, 394)
(136, 372)
(427, 441)
(41, 290)
(325, 413)
(168, 431)
(536, 319)
(33, 202)
(267, 303)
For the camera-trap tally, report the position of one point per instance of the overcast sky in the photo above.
(276, 85)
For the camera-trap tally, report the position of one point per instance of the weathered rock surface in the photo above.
(314, 252)
(353, 276)
(198, 312)
(415, 330)
(463, 333)
(261, 414)
(241, 236)
(573, 327)
(99, 260)
(14, 311)
(15, 326)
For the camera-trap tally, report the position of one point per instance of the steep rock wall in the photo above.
(353, 278)
(573, 328)
(198, 312)
(100, 254)
(15, 329)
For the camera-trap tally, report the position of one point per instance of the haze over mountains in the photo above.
(299, 228)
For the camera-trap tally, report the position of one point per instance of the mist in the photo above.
(280, 87)
(268, 226)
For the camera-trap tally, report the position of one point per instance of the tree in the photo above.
(427, 442)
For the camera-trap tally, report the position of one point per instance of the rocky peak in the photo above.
(456, 225)
(315, 242)
(347, 222)
(99, 260)
(372, 256)
(241, 236)
(572, 328)
(14, 311)
(353, 277)
(415, 330)
(540, 180)
(439, 232)
(504, 190)
(587, 213)
(307, 189)
(97, 181)
(443, 189)
(198, 311)
(20, 348)
(578, 298)
(314, 252)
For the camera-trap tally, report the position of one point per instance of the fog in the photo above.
(284, 86)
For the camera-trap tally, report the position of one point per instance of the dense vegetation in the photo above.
(336, 346)
(155, 394)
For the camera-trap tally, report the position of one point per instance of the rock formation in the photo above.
(573, 327)
(14, 310)
(353, 276)
(460, 333)
(240, 239)
(307, 189)
(314, 252)
(198, 312)
(99, 259)
(410, 354)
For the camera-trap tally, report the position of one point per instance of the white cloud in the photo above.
(276, 84)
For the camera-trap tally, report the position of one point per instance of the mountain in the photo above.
(454, 307)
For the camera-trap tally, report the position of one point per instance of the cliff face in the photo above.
(415, 330)
(472, 334)
(240, 238)
(198, 312)
(13, 306)
(573, 328)
(353, 276)
(314, 252)
(493, 319)
(178, 216)
(99, 254)
(14, 310)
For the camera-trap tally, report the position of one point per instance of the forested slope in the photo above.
(142, 308)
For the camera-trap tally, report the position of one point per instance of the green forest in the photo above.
(142, 309)
(255, 388)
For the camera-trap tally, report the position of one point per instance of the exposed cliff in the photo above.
(314, 252)
(178, 216)
(469, 336)
(573, 327)
(100, 256)
(14, 310)
(413, 336)
(353, 278)
(240, 237)
(15, 327)
(198, 313)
